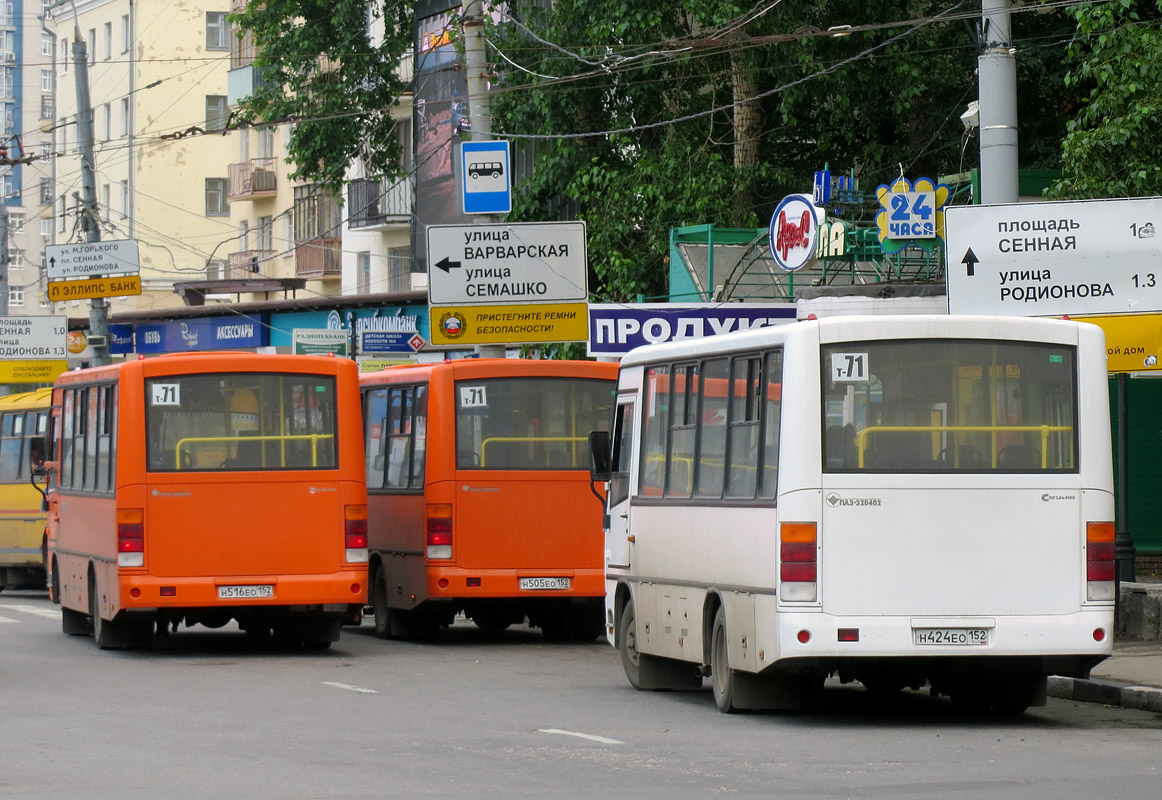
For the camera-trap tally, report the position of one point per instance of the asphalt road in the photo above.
(216, 714)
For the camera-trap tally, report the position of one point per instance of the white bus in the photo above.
(900, 501)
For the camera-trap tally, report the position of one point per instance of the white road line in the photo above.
(591, 737)
(6, 619)
(52, 613)
(348, 687)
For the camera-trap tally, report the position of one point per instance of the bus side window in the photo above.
(772, 411)
(10, 445)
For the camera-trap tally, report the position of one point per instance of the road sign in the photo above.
(1049, 259)
(33, 338)
(564, 322)
(390, 341)
(91, 259)
(527, 262)
(1133, 341)
(485, 177)
(117, 286)
(320, 341)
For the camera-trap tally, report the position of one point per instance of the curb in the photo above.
(1108, 693)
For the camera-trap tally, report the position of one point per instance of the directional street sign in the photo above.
(92, 259)
(528, 262)
(117, 286)
(1050, 259)
(32, 349)
(485, 177)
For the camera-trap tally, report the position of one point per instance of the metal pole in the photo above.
(98, 308)
(479, 113)
(997, 68)
(3, 256)
(1123, 541)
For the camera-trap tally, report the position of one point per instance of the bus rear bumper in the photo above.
(1065, 644)
(466, 583)
(337, 589)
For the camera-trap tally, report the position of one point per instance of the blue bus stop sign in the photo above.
(485, 177)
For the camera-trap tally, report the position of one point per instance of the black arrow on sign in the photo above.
(970, 260)
(447, 265)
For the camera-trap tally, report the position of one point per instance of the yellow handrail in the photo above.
(313, 437)
(490, 440)
(861, 437)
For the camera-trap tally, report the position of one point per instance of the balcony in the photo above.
(319, 258)
(247, 264)
(378, 205)
(252, 179)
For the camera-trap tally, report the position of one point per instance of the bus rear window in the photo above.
(240, 421)
(530, 423)
(947, 405)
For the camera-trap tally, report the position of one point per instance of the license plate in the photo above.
(965, 637)
(244, 592)
(545, 583)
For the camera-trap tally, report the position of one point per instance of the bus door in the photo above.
(618, 539)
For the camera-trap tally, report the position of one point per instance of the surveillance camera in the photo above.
(971, 117)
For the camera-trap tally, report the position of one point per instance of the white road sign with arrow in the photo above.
(507, 264)
(1051, 259)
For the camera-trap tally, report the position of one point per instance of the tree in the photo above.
(651, 114)
(1114, 146)
(321, 70)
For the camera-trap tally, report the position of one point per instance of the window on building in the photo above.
(106, 121)
(216, 205)
(124, 116)
(244, 235)
(64, 55)
(106, 197)
(15, 259)
(216, 112)
(244, 145)
(265, 233)
(46, 44)
(46, 228)
(108, 40)
(399, 265)
(124, 199)
(16, 296)
(362, 273)
(92, 45)
(16, 221)
(61, 214)
(124, 33)
(217, 31)
(46, 80)
(265, 142)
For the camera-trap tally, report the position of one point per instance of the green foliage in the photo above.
(634, 67)
(322, 72)
(1114, 146)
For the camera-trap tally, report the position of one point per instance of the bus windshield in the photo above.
(944, 405)
(240, 421)
(529, 423)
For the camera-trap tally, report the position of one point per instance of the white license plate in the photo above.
(244, 592)
(965, 637)
(545, 583)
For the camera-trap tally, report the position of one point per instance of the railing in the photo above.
(255, 178)
(572, 440)
(247, 263)
(379, 202)
(861, 438)
(319, 258)
(313, 438)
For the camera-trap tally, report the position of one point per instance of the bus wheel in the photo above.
(379, 605)
(627, 645)
(54, 586)
(721, 676)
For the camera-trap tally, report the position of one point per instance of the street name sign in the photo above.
(527, 262)
(1050, 259)
(92, 259)
(116, 286)
(485, 177)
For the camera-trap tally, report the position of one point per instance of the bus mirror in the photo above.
(600, 466)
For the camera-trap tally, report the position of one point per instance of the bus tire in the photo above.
(379, 604)
(721, 675)
(54, 585)
(627, 646)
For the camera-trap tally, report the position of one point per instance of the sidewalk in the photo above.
(1132, 676)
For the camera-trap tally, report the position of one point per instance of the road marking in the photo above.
(52, 613)
(591, 737)
(6, 619)
(350, 688)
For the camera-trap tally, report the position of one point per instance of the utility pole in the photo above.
(479, 113)
(997, 68)
(98, 307)
(3, 257)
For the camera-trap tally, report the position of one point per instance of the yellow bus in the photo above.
(23, 425)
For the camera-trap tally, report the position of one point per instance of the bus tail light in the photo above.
(439, 530)
(798, 564)
(355, 533)
(130, 537)
(1099, 560)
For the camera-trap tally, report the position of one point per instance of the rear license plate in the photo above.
(965, 637)
(244, 592)
(545, 583)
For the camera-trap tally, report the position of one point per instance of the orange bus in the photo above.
(204, 488)
(479, 499)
